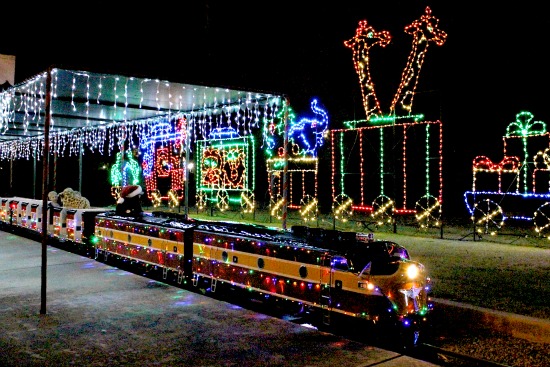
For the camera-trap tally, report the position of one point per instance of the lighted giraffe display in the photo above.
(424, 31)
(374, 142)
(365, 38)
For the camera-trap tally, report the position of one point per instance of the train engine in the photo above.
(330, 274)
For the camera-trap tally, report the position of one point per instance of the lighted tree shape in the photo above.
(124, 172)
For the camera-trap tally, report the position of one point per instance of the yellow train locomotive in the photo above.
(327, 273)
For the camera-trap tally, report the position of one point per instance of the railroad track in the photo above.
(447, 358)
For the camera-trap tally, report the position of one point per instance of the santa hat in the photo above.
(129, 192)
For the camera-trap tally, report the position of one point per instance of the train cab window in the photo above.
(340, 263)
(395, 250)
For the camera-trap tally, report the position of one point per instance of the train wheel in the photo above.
(342, 207)
(247, 201)
(382, 210)
(276, 207)
(223, 200)
(308, 209)
(542, 220)
(201, 199)
(410, 338)
(428, 212)
(156, 198)
(488, 217)
(173, 200)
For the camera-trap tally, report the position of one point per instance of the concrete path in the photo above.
(97, 315)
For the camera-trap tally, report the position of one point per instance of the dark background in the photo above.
(492, 66)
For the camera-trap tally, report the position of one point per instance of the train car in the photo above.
(16, 211)
(515, 189)
(4, 210)
(327, 273)
(331, 277)
(22, 212)
(80, 223)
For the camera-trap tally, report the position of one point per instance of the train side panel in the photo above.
(143, 242)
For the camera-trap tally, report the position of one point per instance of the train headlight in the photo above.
(412, 271)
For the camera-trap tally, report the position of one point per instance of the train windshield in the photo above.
(377, 258)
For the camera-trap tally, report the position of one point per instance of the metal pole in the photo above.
(11, 176)
(34, 177)
(285, 171)
(187, 142)
(45, 174)
(80, 167)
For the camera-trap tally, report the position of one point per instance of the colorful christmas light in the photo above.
(425, 31)
(305, 137)
(125, 171)
(370, 195)
(394, 129)
(227, 167)
(243, 113)
(488, 208)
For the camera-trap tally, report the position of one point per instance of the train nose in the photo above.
(413, 300)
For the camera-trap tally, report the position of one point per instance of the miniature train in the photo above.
(326, 273)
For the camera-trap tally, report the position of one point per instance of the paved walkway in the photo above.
(97, 315)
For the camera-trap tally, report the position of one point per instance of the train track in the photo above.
(443, 357)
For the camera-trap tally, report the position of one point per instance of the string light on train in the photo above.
(428, 213)
(490, 217)
(247, 201)
(385, 207)
(541, 219)
(342, 207)
(522, 136)
(508, 165)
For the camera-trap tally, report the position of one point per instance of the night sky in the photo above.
(492, 66)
